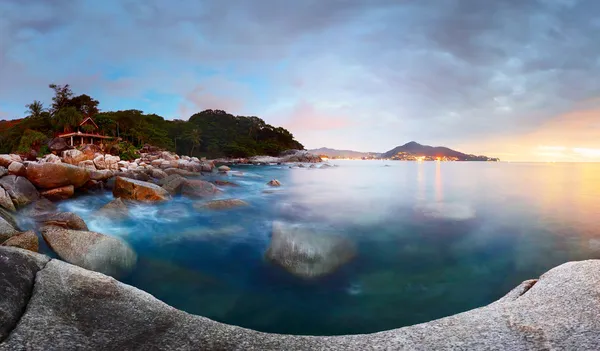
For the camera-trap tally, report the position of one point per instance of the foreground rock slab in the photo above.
(221, 204)
(90, 250)
(75, 309)
(57, 194)
(27, 240)
(20, 190)
(131, 189)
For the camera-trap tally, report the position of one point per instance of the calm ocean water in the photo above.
(433, 239)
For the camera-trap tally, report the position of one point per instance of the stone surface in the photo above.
(221, 204)
(27, 240)
(158, 173)
(17, 168)
(67, 220)
(5, 200)
(196, 188)
(181, 172)
(50, 158)
(224, 169)
(17, 274)
(39, 207)
(101, 175)
(5, 160)
(20, 190)
(3, 171)
(81, 310)
(114, 209)
(91, 250)
(87, 164)
(7, 230)
(274, 182)
(62, 193)
(172, 183)
(132, 189)
(58, 145)
(225, 183)
(52, 175)
(73, 157)
(307, 254)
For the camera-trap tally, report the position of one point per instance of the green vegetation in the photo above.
(211, 133)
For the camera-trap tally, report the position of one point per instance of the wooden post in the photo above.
(71, 140)
(82, 140)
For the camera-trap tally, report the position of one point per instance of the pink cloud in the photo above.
(200, 99)
(304, 116)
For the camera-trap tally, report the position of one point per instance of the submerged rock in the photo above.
(67, 220)
(91, 250)
(196, 188)
(224, 169)
(274, 182)
(114, 209)
(55, 175)
(27, 240)
(307, 254)
(62, 193)
(224, 183)
(220, 204)
(138, 190)
(20, 190)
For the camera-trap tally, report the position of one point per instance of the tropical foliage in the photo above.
(211, 133)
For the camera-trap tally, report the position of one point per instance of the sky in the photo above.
(515, 79)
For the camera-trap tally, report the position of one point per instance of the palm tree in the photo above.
(68, 118)
(35, 109)
(194, 136)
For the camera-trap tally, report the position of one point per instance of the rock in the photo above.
(51, 175)
(181, 172)
(167, 156)
(5, 160)
(6, 201)
(17, 168)
(17, 276)
(39, 207)
(198, 188)
(158, 173)
(67, 220)
(274, 182)
(224, 183)
(172, 183)
(27, 240)
(221, 204)
(7, 230)
(558, 312)
(107, 162)
(132, 189)
(20, 190)
(91, 250)
(57, 194)
(224, 169)
(206, 167)
(101, 175)
(114, 209)
(58, 145)
(87, 164)
(50, 158)
(134, 175)
(90, 150)
(3, 171)
(73, 157)
(307, 254)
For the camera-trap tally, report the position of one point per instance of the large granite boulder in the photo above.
(107, 162)
(20, 190)
(131, 189)
(39, 207)
(61, 193)
(58, 145)
(90, 150)
(307, 254)
(67, 220)
(53, 175)
(196, 188)
(17, 168)
(91, 250)
(17, 275)
(27, 240)
(87, 164)
(172, 183)
(157, 173)
(6, 201)
(7, 229)
(73, 157)
(101, 175)
(5, 160)
(81, 309)
(224, 204)
(50, 158)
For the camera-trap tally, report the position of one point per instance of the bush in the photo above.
(127, 151)
(31, 139)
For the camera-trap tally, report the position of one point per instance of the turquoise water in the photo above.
(433, 239)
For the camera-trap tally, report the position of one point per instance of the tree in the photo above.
(194, 137)
(87, 106)
(62, 97)
(67, 118)
(35, 109)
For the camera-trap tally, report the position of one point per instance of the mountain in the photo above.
(333, 153)
(414, 150)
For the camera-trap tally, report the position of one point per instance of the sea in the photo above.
(432, 238)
